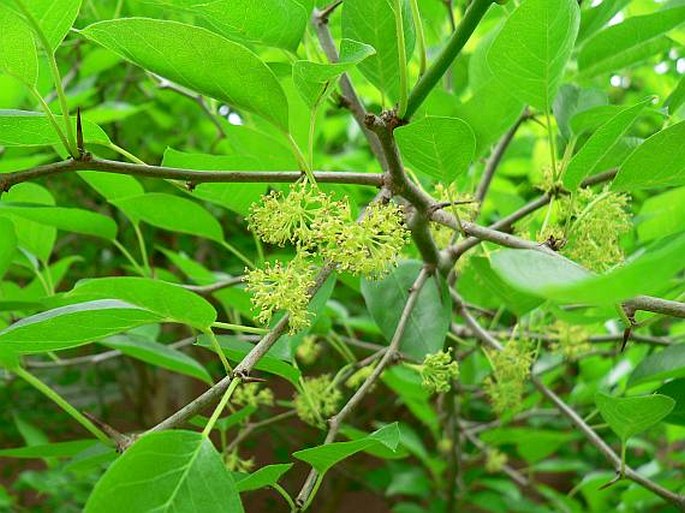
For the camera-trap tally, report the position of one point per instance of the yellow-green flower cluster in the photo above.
(235, 463)
(308, 350)
(600, 219)
(318, 225)
(358, 378)
(279, 287)
(571, 341)
(318, 400)
(369, 247)
(251, 394)
(438, 371)
(510, 370)
(495, 461)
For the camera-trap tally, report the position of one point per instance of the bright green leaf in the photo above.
(8, 244)
(530, 52)
(159, 355)
(666, 364)
(170, 471)
(18, 55)
(437, 146)
(55, 18)
(263, 477)
(198, 59)
(627, 43)
(73, 325)
(50, 450)
(662, 215)
(171, 213)
(23, 128)
(171, 302)
(628, 416)
(323, 457)
(373, 22)
(585, 162)
(657, 162)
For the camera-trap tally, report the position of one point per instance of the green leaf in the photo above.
(675, 390)
(657, 162)
(438, 146)
(8, 244)
(572, 100)
(235, 350)
(19, 56)
(628, 416)
(627, 43)
(73, 325)
(24, 128)
(323, 457)
(54, 18)
(112, 186)
(313, 79)
(159, 355)
(598, 146)
(234, 196)
(73, 220)
(532, 444)
(662, 215)
(593, 20)
(677, 97)
(198, 59)
(50, 450)
(171, 213)
(265, 476)
(171, 302)
(373, 22)
(557, 278)
(666, 364)
(170, 471)
(530, 52)
(430, 318)
(279, 23)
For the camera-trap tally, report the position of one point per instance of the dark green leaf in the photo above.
(675, 390)
(50, 450)
(263, 477)
(666, 364)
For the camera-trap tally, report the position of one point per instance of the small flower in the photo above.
(572, 341)
(235, 463)
(369, 247)
(600, 219)
(308, 350)
(358, 378)
(279, 219)
(282, 287)
(495, 461)
(318, 400)
(511, 368)
(438, 371)
(250, 394)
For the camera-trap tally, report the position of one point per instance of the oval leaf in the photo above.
(628, 416)
(428, 321)
(198, 59)
(171, 302)
(438, 146)
(18, 57)
(171, 471)
(531, 50)
(73, 220)
(657, 162)
(73, 325)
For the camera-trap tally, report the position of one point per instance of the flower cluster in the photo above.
(510, 369)
(318, 399)
(282, 287)
(495, 461)
(571, 341)
(357, 379)
(600, 219)
(235, 463)
(438, 371)
(308, 350)
(318, 226)
(251, 394)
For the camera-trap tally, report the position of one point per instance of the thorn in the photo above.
(626, 336)
(612, 482)
(79, 134)
(191, 186)
(252, 379)
(122, 441)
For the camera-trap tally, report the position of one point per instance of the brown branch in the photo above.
(192, 176)
(388, 357)
(207, 290)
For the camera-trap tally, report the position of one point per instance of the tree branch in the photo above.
(303, 498)
(191, 176)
